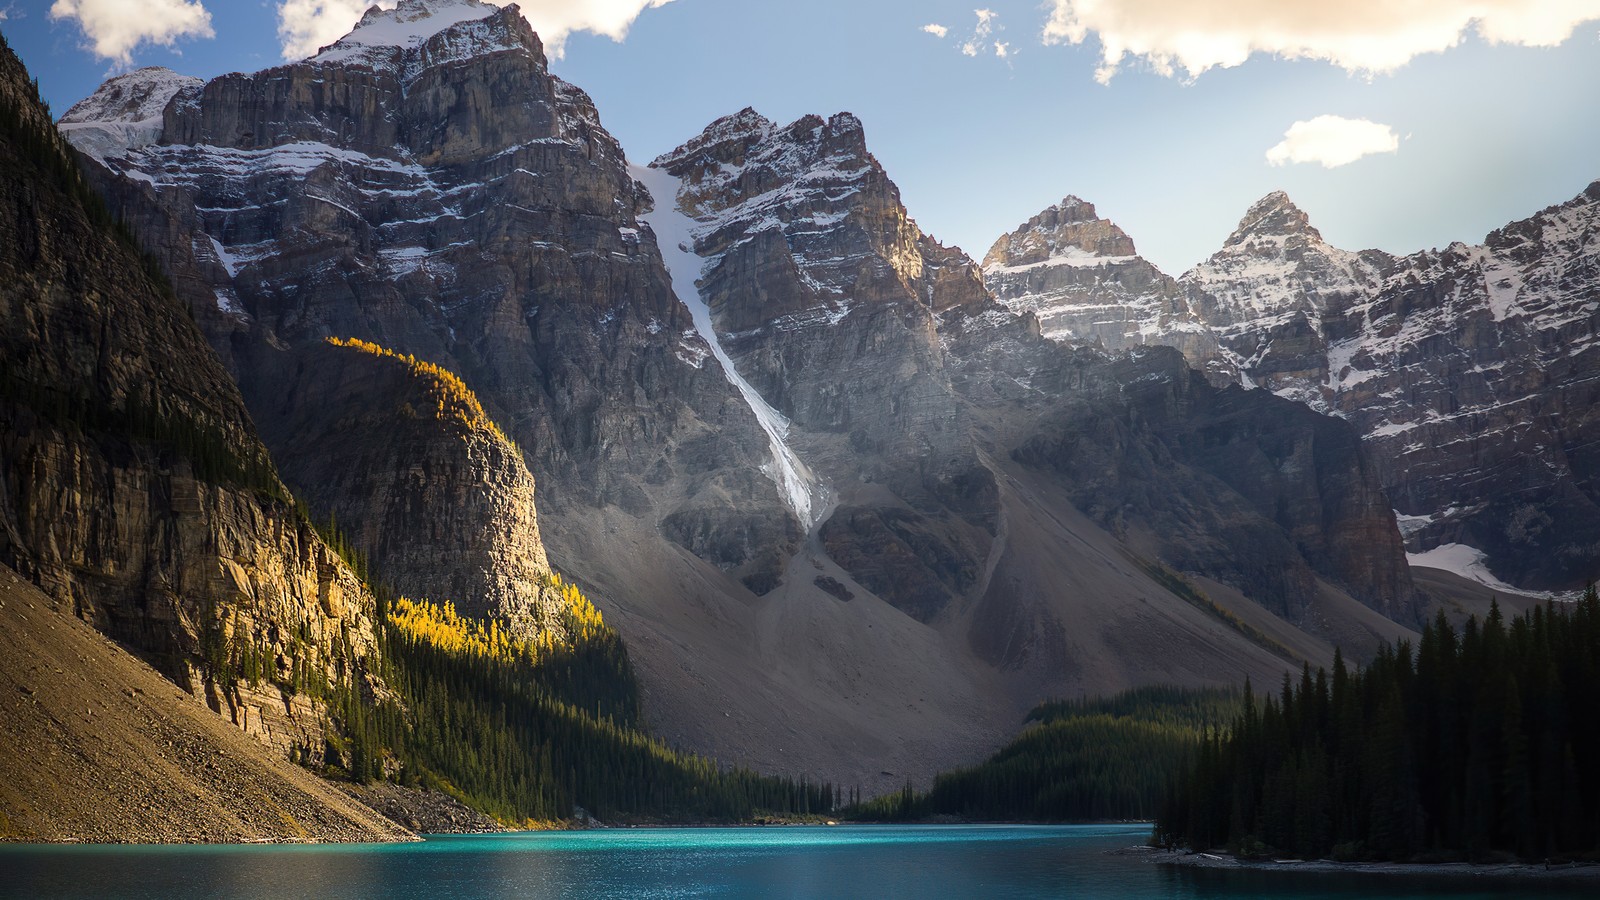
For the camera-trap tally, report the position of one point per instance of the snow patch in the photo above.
(804, 492)
(1468, 562)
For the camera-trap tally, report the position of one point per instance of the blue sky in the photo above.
(1485, 133)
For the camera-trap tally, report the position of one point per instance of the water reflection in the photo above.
(924, 863)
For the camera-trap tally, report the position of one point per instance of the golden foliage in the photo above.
(453, 398)
(440, 626)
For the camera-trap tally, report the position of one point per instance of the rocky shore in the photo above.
(1586, 872)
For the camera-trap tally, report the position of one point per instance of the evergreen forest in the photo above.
(1090, 759)
(1475, 744)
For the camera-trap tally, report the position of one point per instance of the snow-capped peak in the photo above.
(138, 96)
(407, 26)
(1273, 216)
(125, 112)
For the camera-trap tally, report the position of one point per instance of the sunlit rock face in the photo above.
(134, 489)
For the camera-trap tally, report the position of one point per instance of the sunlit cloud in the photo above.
(116, 27)
(1365, 36)
(1332, 141)
(937, 31)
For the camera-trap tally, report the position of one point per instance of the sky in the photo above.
(1398, 126)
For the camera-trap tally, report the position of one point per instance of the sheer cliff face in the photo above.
(425, 183)
(404, 460)
(133, 487)
(1083, 279)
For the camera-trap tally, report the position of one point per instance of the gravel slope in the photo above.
(96, 746)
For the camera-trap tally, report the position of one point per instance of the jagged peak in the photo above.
(411, 24)
(729, 138)
(137, 96)
(1069, 229)
(1274, 215)
(1072, 208)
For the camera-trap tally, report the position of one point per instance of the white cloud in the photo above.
(115, 27)
(304, 26)
(937, 31)
(1002, 49)
(1332, 141)
(1368, 36)
(980, 35)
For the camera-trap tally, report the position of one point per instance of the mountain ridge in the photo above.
(953, 583)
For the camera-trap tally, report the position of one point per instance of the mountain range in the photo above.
(853, 501)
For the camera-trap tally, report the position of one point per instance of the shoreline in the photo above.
(1584, 872)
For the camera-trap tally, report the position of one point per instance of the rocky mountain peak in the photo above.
(137, 96)
(435, 31)
(126, 112)
(1084, 280)
(1272, 218)
(1068, 230)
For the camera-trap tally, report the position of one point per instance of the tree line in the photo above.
(1472, 744)
(1081, 760)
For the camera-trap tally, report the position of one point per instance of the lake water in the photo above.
(922, 862)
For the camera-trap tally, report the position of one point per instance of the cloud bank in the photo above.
(305, 26)
(115, 27)
(1366, 36)
(1332, 141)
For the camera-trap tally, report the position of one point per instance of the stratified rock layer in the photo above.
(402, 459)
(1083, 279)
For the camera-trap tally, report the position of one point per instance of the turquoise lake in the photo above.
(923, 862)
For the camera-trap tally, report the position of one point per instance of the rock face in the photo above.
(380, 190)
(135, 490)
(403, 458)
(825, 296)
(1276, 294)
(1081, 276)
(1466, 370)
(1469, 372)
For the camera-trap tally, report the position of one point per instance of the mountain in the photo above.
(1465, 370)
(136, 491)
(851, 515)
(1468, 371)
(1082, 277)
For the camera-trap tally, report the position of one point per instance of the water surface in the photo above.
(922, 862)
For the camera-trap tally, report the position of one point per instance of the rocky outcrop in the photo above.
(402, 459)
(133, 487)
(1083, 279)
